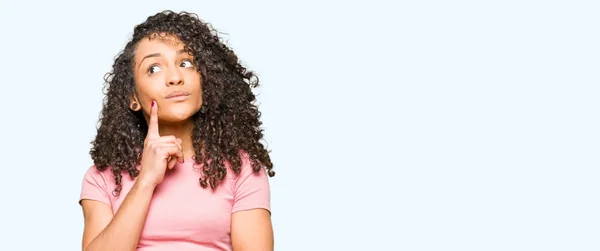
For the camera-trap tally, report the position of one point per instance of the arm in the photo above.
(252, 230)
(103, 231)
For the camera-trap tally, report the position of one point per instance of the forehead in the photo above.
(158, 43)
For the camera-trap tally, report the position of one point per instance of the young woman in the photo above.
(178, 162)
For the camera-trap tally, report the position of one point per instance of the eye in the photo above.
(187, 64)
(153, 69)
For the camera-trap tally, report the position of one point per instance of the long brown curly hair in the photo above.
(227, 125)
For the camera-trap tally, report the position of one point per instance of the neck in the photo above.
(182, 131)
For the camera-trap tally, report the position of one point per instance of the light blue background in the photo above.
(414, 125)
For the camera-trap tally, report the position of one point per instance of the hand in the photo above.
(159, 152)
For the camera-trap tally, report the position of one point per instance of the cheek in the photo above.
(194, 82)
(198, 100)
(149, 89)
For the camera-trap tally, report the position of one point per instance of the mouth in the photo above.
(177, 95)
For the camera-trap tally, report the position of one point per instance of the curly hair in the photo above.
(227, 126)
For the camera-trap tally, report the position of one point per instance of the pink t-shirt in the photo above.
(183, 215)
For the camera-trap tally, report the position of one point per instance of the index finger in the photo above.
(153, 123)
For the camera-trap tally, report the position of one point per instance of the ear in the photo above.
(134, 104)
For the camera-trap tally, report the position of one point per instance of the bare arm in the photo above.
(251, 230)
(103, 231)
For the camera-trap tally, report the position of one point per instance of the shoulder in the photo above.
(251, 174)
(96, 185)
(250, 187)
(96, 178)
(247, 167)
(93, 172)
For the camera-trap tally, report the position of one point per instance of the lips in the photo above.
(176, 94)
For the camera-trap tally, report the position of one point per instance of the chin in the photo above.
(177, 114)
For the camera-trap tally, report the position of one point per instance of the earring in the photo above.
(134, 106)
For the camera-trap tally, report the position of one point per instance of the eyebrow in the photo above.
(158, 55)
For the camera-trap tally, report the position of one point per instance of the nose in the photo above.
(175, 77)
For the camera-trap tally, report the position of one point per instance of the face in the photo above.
(165, 73)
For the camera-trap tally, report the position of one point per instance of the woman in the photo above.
(178, 163)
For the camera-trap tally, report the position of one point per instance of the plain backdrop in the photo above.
(399, 125)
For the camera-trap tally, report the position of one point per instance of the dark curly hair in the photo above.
(227, 126)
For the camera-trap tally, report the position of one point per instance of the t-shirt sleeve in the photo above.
(251, 190)
(94, 186)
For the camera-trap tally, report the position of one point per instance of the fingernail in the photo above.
(152, 103)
